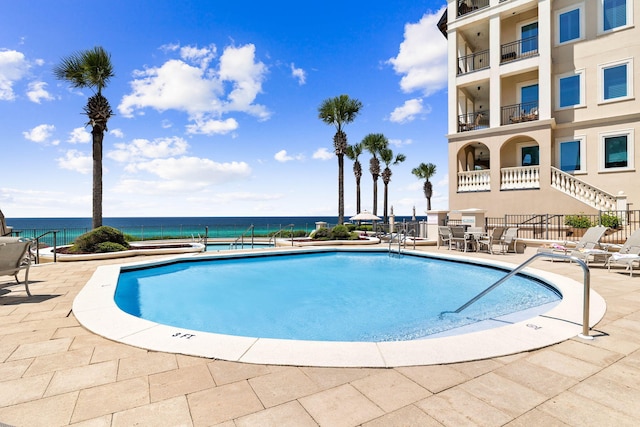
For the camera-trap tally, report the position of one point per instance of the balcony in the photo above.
(518, 113)
(470, 181)
(519, 49)
(473, 62)
(514, 178)
(468, 6)
(473, 121)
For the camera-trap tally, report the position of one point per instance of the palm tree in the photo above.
(92, 69)
(353, 152)
(426, 171)
(339, 111)
(386, 155)
(374, 143)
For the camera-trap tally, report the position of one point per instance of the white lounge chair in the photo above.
(14, 257)
(628, 254)
(586, 248)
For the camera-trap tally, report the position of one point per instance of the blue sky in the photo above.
(216, 105)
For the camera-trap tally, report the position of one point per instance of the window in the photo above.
(570, 90)
(570, 24)
(529, 38)
(617, 83)
(529, 155)
(614, 15)
(528, 97)
(572, 155)
(617, 150)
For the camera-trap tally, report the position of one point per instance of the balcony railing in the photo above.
(473, 62)
(517, 113)
(468, 6)
(473, 121)
(474, 181)
(520, 178)
(523, 48)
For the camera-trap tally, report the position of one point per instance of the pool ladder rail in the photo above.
(586, 286)
(401, 238)
(240, 239)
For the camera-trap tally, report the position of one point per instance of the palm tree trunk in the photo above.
(386, 188)
(98, 135)
(375, 197)
(340, 188)
(357, 196)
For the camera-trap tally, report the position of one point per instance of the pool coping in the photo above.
(95, 308)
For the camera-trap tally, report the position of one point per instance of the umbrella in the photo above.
(365, 216)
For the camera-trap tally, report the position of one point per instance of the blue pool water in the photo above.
(327, 296)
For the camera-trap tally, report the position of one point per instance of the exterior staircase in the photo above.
(587, 193)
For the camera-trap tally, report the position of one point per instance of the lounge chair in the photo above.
(628, 254)
(4, 229)
(444, 236)
(586, 248)
(14, 257)
(491, 239)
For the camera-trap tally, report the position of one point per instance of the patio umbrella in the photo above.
(365, 216)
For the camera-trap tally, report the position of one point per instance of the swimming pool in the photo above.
(328, 296)
(96, 309)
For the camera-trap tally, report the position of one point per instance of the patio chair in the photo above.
(508, 240)
(588, 245)
(460, 238)
(489, 240)
(14, 257)
(628, 254)
(444, 236)
(4, 229)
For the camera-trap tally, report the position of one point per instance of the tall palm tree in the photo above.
(353, 152)
(374, 143)
(338, 112)
(386, 155)
(426, 171)
(91, 69)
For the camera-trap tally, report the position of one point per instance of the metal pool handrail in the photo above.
(586, 284)
(241, 238)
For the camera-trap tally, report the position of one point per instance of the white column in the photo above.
(545, 22)
(494, 77)
(452, 52)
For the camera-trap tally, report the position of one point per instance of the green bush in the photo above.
(340, 232)
(110, 247)
(609, 220)
(321, 234)
(90, 242)
(578, 221)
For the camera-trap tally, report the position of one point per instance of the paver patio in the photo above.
(53, 372)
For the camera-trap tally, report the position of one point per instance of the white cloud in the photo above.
(409, 111)
(37, 91)
(400, 143)
(201, 91)
(422, 59)
(76, 161)
(79, 136)
(144, 149)
(283, 157)
(117, 133)
(299, 74)
(323, 154)
(13, 67)
(39, 134)
(195, 170)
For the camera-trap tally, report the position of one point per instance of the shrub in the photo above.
(609, 220)
(340, 232)
(110, 247)
(321, 234)
(89, 242)
(578, 221)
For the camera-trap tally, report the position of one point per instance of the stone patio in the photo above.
(53, 372)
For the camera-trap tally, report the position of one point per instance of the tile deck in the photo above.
(53, 372)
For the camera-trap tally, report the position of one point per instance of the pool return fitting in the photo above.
(586, 285)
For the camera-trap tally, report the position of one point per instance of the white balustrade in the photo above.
(520, 178)
(474, 181)
(582, 191)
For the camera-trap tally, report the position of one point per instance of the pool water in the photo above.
(328, 296)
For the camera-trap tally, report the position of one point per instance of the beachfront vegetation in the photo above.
(374, 143)
(386, 155)
(353, 152)
(91, 69)
(101, 239)
(338, 112)
(426, 171)
(339, 232)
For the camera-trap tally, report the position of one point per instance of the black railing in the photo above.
(473, 62)
(523, 48)
(468, 6)
(517, 113)
(473, 121)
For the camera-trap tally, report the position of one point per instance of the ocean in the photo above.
(67, 229)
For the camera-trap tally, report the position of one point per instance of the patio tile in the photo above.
(583, 350)
(435, 378)
(41, 348)
(112, 351)
(109, 398)
(170, 413)
(409, 416)
(577, 410)
(544, 381)
(457, 407)
(229, 372)
(341, 406)
(283, 386)
(223, 403)
(47, 412)
(82, 377)
(562, 364)
(289, 414)
(390, 390)
(332, 377)
(613, 391)
(536, 418)
(71, 331)
(23, 389)
(103, 421)
(146, 364)
(58, 361)
(476, 368)
(15, 369)
(178, 382)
